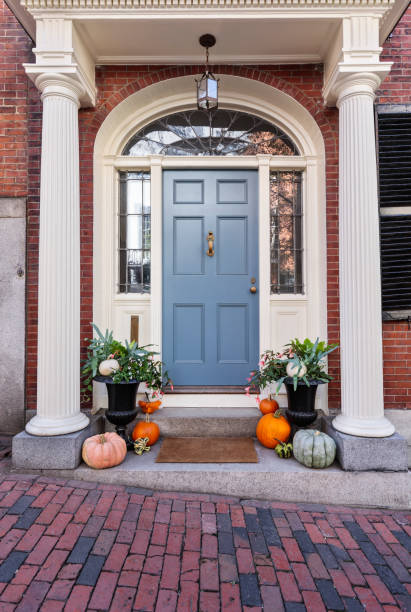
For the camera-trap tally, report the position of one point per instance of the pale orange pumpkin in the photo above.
(104, 450)
(146, 429)
(268, 405)
(273, 429)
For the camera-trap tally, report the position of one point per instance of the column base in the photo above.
(42, 426)
(359, 454)
(365, 428)
(53, 452)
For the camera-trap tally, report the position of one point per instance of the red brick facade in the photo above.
(20, 132)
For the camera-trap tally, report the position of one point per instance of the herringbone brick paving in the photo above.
(74, 546)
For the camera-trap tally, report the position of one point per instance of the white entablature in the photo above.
(86, 33)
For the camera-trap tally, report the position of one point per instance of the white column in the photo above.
(58, 367)
(362, 408)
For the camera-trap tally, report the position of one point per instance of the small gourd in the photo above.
(108, 367)
(313, 448)
(296, 370)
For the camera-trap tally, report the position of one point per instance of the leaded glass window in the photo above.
(134, 232)
(219, 132)
(286, 232)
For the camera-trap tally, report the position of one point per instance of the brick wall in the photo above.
(15, 48)
(396, 89)
(115, 83)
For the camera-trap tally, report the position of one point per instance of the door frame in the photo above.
(280, 315)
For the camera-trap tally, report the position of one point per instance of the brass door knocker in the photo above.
(210, 240)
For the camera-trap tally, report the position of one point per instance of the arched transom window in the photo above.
(221, 132)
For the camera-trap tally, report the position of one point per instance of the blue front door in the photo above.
(210, 302)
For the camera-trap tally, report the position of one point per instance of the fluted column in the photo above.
(362, 408)
(58, 368)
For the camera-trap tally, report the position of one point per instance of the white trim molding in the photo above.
(112, 309)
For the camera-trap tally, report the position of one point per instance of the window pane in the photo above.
(134, 233)
(286, 232)
(218, 132)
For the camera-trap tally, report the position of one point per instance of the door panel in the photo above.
(210, 317)
(187, 241)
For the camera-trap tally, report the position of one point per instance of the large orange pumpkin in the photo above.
(104, 450)
(268, 405)
(272, 429)
(145, 429)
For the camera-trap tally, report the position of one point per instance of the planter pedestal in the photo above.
(122, 408)
(301, 403)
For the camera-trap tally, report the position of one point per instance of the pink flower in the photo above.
(249, 379)
(172, 386)
(257, 399)
(262, 363)
(247, 390)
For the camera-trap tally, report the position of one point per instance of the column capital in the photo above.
(354, 80)
(54, 84)
(60, 81)
(63, 63)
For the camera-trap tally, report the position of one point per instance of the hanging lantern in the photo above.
(207, 86)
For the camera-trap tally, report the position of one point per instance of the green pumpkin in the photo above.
(313, 448)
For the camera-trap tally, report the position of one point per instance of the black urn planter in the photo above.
(301, 402)
(122, 408)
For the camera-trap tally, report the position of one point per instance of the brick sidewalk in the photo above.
(82, 546)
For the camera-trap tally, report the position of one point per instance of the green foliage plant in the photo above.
(306, 355)
(136, 362)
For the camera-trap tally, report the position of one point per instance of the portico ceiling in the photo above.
(239, 41)
(247, 31)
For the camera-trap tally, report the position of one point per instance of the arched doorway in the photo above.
(126, 144)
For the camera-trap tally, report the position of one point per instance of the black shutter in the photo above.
(394, 165)
(394, 158)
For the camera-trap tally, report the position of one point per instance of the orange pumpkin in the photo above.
(104, 450)
(149, 407)
(268, 405)
(273, 429)
(145, 429)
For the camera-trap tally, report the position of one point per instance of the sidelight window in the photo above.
(134, 233)
(286, 232)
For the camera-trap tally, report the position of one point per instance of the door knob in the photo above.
(253, 289)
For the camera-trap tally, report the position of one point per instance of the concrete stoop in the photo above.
(272, 479)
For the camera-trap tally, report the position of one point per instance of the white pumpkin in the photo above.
(295, 370)
(107, 367)
(313, 448)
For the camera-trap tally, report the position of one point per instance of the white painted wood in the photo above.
(58, 375)
(362, 406)
(156, 253)
(264, 249)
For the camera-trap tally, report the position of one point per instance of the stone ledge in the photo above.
(52, 452)
(360, 454)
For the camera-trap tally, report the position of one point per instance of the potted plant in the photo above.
(122, 367)
(301, 367)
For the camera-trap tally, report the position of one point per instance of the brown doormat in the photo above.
(207, 450)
